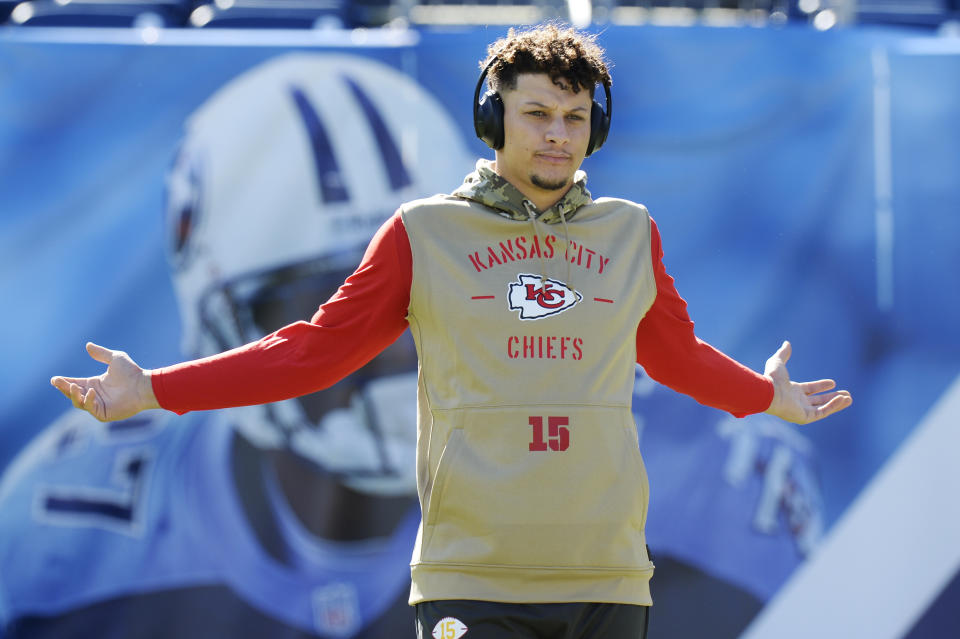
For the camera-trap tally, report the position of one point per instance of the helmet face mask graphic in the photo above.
(362, 429)
(282, 178)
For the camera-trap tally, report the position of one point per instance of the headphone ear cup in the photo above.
(599, 127)
(488, 120)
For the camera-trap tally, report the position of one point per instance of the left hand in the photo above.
(801, 402)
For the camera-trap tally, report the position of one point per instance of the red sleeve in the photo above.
(673, 355)
(366, 314)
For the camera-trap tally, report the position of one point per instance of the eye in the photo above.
(575, 117)
(537, 113)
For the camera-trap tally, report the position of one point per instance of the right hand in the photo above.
(121, 392)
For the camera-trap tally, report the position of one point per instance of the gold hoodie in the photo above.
(530, 479)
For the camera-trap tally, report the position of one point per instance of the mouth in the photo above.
(553, 157)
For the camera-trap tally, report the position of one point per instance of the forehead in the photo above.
(538, 87)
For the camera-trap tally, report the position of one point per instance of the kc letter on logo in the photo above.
(535, 301)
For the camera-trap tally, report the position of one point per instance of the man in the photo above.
(530, 304)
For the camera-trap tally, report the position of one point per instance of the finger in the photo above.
(62, 384)
(835, 405)
(817, 386)
(99, 353)
(823, 398)
(76, 395)
(778, 359)
(92, 404)
(88, 399)
(785, 351)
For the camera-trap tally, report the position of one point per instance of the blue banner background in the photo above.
(756, 151)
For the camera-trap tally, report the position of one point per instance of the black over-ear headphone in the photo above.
(488, 116)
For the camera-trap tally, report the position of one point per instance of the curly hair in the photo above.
(569, 57)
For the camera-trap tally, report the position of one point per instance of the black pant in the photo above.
(445, 619)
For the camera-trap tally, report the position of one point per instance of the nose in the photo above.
(557, 132)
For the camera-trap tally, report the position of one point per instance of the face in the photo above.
(546, 131)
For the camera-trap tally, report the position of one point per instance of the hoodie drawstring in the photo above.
(532, 215)
(566, 244)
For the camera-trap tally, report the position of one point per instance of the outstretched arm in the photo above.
(672, 354)
(366, 315)
(801, 402)
(122, 391)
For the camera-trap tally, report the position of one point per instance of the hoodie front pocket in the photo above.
(541, 490)
(446, 463)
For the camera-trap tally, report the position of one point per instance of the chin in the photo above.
(549, 184)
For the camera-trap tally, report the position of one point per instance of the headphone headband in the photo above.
(488, 115)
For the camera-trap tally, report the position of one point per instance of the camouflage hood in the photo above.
(491, 190)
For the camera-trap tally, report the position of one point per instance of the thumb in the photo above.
(99, 353)
(779, 358)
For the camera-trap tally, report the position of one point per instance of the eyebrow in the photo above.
(530, 103)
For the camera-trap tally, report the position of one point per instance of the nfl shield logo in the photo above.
(336, 610)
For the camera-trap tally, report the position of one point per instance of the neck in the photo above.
(544, 202)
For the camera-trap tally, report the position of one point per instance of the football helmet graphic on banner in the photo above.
(282, 178)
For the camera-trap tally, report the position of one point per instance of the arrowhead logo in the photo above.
(535, 301)
(449, 628)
